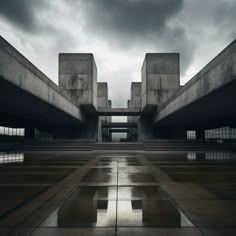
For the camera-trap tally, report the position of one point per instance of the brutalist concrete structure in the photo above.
(134, 102)
(160, 80)
(102, 102)
(78, 106)
(78, 77)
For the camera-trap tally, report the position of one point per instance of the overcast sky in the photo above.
(118, 33)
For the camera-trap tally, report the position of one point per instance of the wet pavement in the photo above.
(89, 193)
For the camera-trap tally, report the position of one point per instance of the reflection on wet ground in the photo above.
(111, 194)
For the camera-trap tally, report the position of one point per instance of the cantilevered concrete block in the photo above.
(102, 102)
(136, 93)
(160, 78)
(109, 106)
(78, 76)
(102, 95)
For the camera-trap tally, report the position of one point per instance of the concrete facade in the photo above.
(18, 76)
(78, 77)
(102, 102)
(134, 102)
(208, 97)
(79, 106)
(160, 78)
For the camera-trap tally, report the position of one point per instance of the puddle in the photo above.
(129, 178)
(97, 207)
(100, 175)
(140, 192)
(102, 213)
(151, 213)
(14, 157)
(75, 213)
(94, 193)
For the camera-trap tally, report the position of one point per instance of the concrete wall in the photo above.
(21, 73)
(78, 76)
(102, 102)
(109, 106)
(102, 95)
(218, 75)
(136, 99)
(136, 93)
(160, 78)
(134, 102)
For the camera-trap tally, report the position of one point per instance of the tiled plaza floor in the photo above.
(140, 193)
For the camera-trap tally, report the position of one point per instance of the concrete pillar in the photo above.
(90, 130)
(30, 133)
(145, 128)
(160, 79)
(200, 134)
(78, 77)
(171, 133)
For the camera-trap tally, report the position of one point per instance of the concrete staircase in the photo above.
(91, 145)
(51, 145)
(187, 146)
(119, 146)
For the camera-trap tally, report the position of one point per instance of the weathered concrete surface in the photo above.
(78, 76)
(160, 78)
(102, 95)
(135, 99)
(136, 93)
(109, 106)
(28, 96)
(102, 102)
(207, 100)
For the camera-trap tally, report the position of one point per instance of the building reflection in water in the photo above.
(211, 156)
(11, 157)
(102, 213)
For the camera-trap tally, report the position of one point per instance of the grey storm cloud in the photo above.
(22, 13)
(140, 24)
(126, 25)
(132, 17)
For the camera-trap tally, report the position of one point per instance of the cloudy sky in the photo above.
(118, 33)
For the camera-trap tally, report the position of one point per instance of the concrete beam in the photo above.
(78, 77)
(119, 125)
(27, 83)
(118, 111)
(160, 79)
(208, 99)
(119, 130)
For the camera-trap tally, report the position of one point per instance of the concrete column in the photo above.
(171, 133)
(145, 128)
(200, 134)
(30, 133)
(90, 130)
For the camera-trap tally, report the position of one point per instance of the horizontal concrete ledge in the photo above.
(119, 130)
(119, 125)
(119, 111)
(20, 72)
(216, 74)
(59, 141)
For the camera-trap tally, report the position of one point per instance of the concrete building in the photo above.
(102, 102)
(158, 108)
